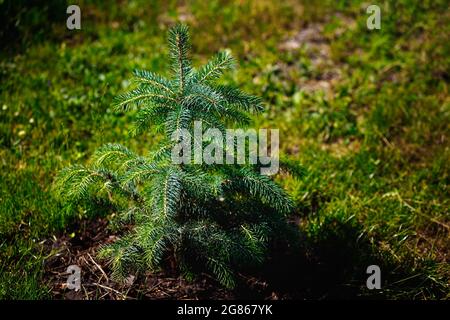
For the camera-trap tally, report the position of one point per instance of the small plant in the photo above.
(213, 218)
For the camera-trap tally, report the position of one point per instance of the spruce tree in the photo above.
(216, 218)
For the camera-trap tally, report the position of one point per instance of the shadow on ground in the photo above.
(328, 263)
(332, 264)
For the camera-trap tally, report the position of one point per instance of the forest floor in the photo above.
(366, 113)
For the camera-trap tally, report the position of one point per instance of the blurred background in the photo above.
(366, 113)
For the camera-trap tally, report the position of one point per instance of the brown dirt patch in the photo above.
(96, 283)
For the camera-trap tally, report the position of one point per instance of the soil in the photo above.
(80, 249)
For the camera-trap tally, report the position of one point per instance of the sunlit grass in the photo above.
(374, 148)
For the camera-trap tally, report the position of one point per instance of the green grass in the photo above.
(375, 148)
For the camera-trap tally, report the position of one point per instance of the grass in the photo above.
(372, 133)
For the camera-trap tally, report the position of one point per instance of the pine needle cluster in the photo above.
(204, 218)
